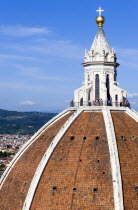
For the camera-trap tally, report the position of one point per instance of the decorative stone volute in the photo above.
(100, 49)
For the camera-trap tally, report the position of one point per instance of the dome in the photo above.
(81, 159)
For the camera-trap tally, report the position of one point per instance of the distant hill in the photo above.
(23, 123)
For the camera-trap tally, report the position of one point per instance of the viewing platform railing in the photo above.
(100, 103)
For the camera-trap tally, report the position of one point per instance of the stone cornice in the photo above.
(105, 63)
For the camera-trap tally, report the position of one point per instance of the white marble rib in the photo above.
(132, 113)
(114, 160)
(28, 143)
(46, 157)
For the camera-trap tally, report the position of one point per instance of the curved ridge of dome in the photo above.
(28, 143)
(21, 171)
(46, 158)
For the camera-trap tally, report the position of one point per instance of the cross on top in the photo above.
(100, 11)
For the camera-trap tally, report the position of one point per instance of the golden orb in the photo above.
(100, 20)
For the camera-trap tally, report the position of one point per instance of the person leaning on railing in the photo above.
(125, 103)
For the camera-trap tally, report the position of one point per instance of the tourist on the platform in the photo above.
(71, 103)
(127, 104)
(121, 103)
(97, 102)
(89, 103)
(94, 102)
(101, 102)
(81, 102)
(109, 103)
(116, 103)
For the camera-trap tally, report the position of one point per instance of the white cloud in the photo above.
(42, 48)
(133, 103)
(13, 85)
(37, 73)
(22, 31)
(16, 57)
(28, 70)
(58, 48)
(22, 72)
(27, 103)
(132, 95)
(128, 57)
(67, 101)
(128, 52)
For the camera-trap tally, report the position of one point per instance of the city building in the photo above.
(86, 156)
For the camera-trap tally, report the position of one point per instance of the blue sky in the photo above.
(42, 45)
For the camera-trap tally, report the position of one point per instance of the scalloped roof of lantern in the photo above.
(100, 42)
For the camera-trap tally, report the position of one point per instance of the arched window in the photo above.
(108, 86)
(97, 87)
(89, 95)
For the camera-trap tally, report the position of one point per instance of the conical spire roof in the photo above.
(100, 41)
